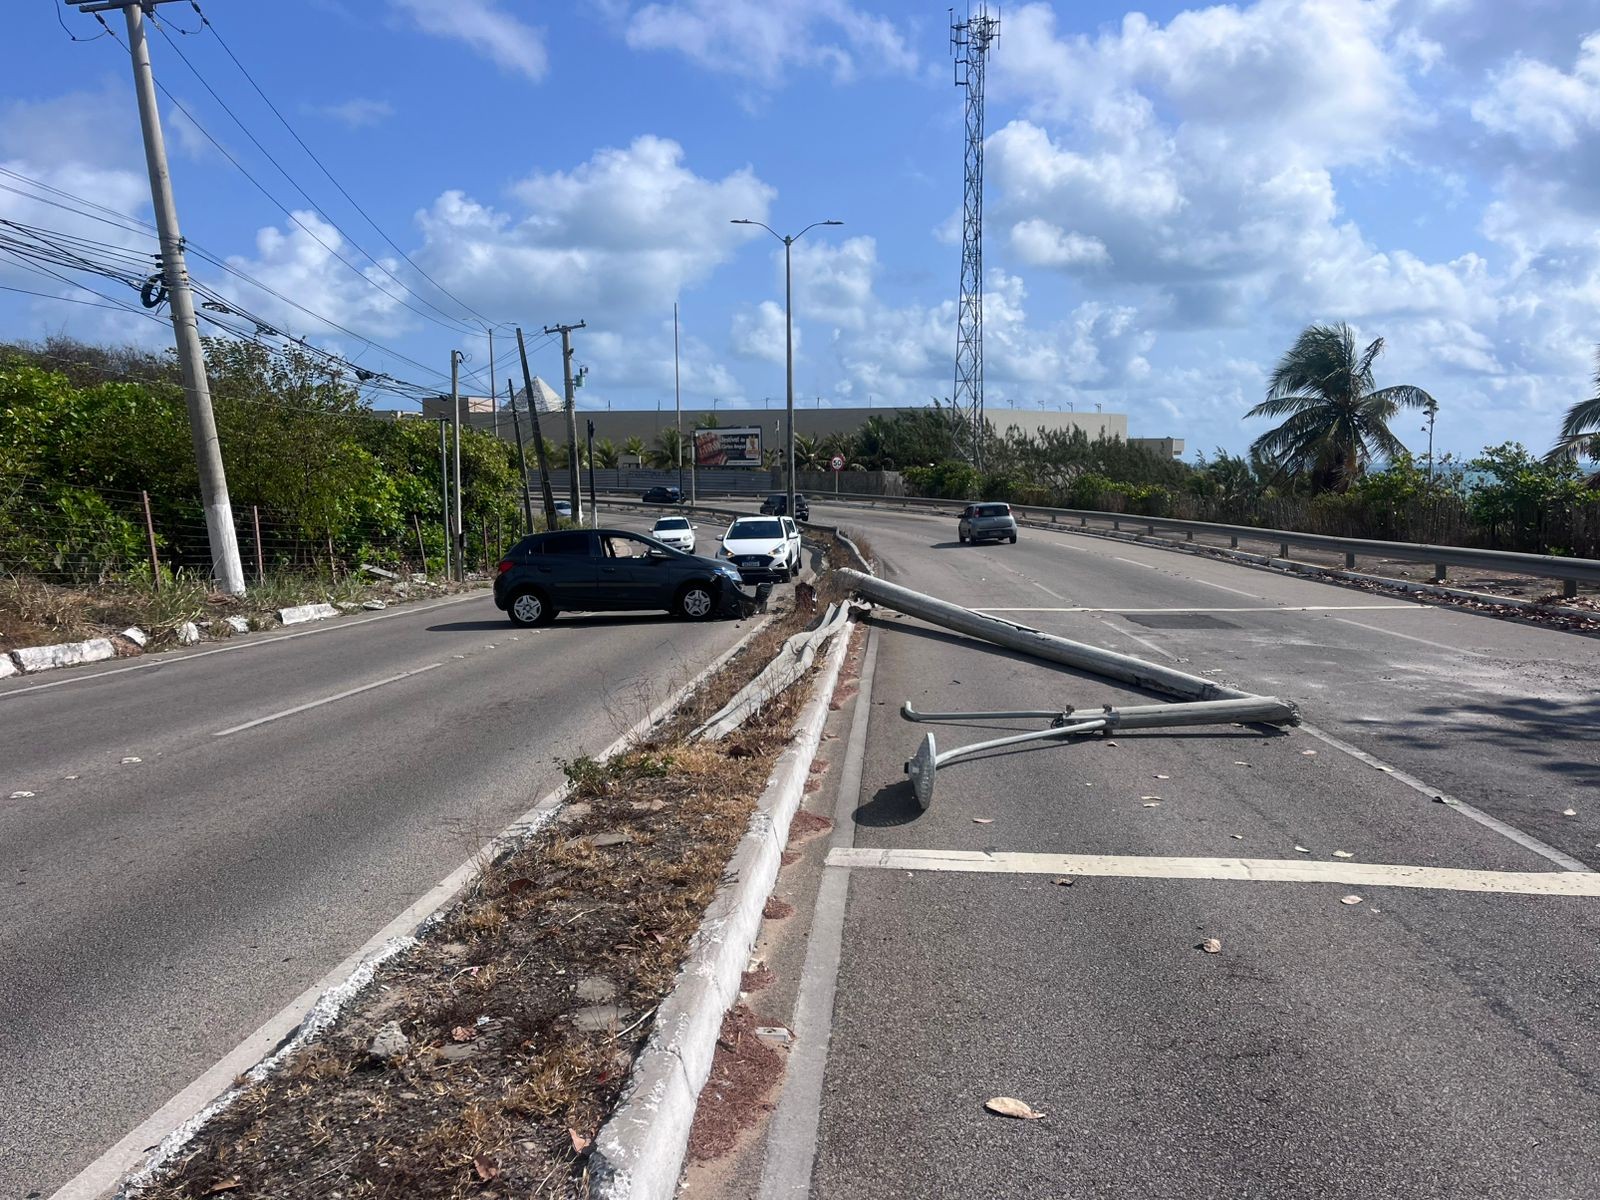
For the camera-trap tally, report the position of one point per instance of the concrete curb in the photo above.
(30, 660)
(123, 1168)
(639, 1152)
(8, 666)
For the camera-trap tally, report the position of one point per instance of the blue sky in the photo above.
(1173, 192)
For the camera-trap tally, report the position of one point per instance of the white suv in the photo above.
(764, 549)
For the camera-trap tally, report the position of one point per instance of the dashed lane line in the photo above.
(1244, 870)
(300, 708)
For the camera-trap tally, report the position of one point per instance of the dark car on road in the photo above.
(777, 505)
(663, 495)
(604, 570)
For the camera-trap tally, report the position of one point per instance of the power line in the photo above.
(206, 23)
(260, 187)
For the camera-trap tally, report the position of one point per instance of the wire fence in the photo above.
(75, 535)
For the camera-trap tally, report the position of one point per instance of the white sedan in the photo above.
(675, 532)
(765, 549)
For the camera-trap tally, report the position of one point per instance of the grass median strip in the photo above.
(483, 1059)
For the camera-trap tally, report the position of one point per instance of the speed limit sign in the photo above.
(837, 462)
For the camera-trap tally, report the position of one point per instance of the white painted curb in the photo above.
(170, 1127)
(639, 1152)
(8, 667)
(301, 613)
(33, 659)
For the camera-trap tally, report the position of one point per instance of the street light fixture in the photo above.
(788, 323)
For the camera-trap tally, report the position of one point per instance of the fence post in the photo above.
(1440, 572)
(1569, 589)
(261, 562)
(1233, 541)
(1350, 560)
(483, 543)
(333, 567)
(1283, 549)
(150, 535)
(422, 552)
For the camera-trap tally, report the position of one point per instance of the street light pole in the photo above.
(459, 533)
(788, 324)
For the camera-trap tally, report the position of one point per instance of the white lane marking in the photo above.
(300, 708)
(1224, 587)
(173, 659)
(1259, 608)
(1250, 870)
(1526, 840)
(1410, 638)
(1153, 647)
(1133, 562)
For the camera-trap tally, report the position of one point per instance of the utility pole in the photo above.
(444, 496)
(677, 397)
(224, 541)
(538, 436)
(576, 497)
(494, 404)
(522, 459)
(455, 420)
(594, 509)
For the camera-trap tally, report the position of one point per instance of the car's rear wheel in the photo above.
(962, 536)
(696, 602)
(531, 607)
(1013, 539)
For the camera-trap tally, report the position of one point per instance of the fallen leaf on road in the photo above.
(27, 795)
(1113, 745)
(1349, 899)
(1343, 854)
(1149, 797)
(131, 759)
(517, 886)
(1239, 762)
(1211, 946)
(1570, 812)
(1238, 837)
(486, 1167)
(1008, 1106)
(462, 1034)
(1064, 881)
(1302, 850)
(226, 1185)
(579, 1142)
(1152, 804)
(983, 820)
(1384, 769)
(1309, 753)
(1163, 776)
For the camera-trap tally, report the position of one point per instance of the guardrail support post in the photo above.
(1350, 562)
(1569, 589)
(1233, 541)
(1283, 549)
(1083, 522)
(1151, 528)
(1116, 524)
(1188, 535)
(1440, 573)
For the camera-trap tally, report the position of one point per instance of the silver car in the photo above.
(986, 522)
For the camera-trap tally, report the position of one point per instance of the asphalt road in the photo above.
(1420, 1043)
(155, 912)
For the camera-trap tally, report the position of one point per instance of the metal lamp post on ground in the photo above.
(788, 326)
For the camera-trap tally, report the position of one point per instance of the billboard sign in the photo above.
(739, 446)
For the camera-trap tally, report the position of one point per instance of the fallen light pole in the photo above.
(1207, 703)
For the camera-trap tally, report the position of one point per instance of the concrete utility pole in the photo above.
(576, 497)
(494, 403)
(459, 532)
(677, 397)
(522, 458)
(538, 436)
(224, 541)
(444, 497)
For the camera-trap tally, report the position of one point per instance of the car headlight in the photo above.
(730, 573)
(775, 551)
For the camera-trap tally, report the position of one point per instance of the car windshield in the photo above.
(754, 529)
(672, 523)
(992, 510)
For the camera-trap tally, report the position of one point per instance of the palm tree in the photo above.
(664, 453)
(634, 448)
(807, 453)
(1337, 420)
(1580, 432)
(605, 454)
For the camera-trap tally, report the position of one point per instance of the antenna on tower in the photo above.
(970, 40)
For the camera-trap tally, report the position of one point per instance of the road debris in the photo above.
(20, 796)
(1343, 854)
(1349, 899)
(1302, 850)
(983, 820)
(1210, 946)
(1009, 1106)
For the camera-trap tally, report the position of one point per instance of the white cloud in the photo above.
(1039, 243)
(356, 113)
(481, 24)
(833, 281)
(1541, 105)
(758, 333)
(762, 42)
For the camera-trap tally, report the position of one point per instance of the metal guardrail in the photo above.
(1571, 571)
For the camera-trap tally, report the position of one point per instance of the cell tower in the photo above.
(970, 41)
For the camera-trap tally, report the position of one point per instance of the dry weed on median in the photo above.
(522, 1008)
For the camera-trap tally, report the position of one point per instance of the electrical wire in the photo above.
(206, 23)
(260, 187)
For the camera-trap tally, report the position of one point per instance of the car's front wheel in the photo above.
(696, 602)
(531, 607)
(1013, 539)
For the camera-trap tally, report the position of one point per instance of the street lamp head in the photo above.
(833, 222)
